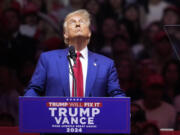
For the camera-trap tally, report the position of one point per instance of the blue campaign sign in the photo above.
(74, 115)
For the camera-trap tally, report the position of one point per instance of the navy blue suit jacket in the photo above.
(51, 76)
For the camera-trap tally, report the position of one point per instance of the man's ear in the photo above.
(65, 35)
(89, 35)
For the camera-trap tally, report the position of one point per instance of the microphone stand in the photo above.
(74, 79)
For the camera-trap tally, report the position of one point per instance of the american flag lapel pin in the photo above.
(95, 64)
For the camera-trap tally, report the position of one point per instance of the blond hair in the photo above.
(81, 12)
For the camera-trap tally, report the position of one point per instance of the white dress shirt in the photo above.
(84, 63)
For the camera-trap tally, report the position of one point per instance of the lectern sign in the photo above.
(74, 115)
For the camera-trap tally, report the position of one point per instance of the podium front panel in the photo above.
(74, 115)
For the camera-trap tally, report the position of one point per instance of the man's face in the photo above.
(164, 48)
(77, 26)
(170, 18)
(109, 28)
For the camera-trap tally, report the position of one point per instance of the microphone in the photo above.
(72, 54)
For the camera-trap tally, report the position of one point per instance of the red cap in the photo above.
(30, 8)
(155, 79)
(172, 8)
(15, 5)
(160, 35)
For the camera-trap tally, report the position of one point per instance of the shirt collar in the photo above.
(84, 52)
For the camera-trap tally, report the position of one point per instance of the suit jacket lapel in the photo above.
(91, 73)
(64, 70)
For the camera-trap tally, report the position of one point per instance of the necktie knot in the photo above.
(78, 54)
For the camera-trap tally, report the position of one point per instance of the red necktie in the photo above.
(79, 77)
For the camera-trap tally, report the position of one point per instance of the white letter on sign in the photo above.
(84, 112)
(58, 120)
(95, 111)
(62, 112)
(71, 112)
(52, 111)
(81, 120)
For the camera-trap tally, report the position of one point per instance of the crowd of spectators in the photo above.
(128, 31)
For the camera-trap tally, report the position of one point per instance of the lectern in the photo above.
(74, 115)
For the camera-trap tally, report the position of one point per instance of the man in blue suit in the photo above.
(95, 74)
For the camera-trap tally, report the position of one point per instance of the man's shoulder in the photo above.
(177, 98)
(168, 106)
(177, 103)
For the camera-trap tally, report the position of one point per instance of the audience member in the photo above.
(145, 67)
(177, 103)
(146, 48)
(125, 70)
(30, 19)
(8, 93)
(109, 31)
(123, 29)
(138, 119)
(154, 11)
(94, 8)
(150, 129)
(171, 16)
(177, 126)
(171, 75)
(115, 8)
(162, 50)
(62, 12)
(15, 44)
(120, 47)
(132, 21)
(154, 106)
